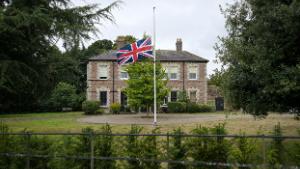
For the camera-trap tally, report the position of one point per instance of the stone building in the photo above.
(186, 71)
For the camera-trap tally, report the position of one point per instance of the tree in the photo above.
(140, 84)
(29, 31)
(99, 47)
(261, 55)
(64, 95)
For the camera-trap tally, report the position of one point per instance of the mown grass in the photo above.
(68, 122)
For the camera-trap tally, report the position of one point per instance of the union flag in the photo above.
(136, 51)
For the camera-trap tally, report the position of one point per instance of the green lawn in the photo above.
(67, 122)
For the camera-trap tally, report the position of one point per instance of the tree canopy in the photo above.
(261, 55)
(29, 31)
(140, 84)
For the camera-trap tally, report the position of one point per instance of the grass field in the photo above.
(68, 122)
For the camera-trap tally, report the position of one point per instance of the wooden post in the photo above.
(92, 150)
(264, 152)
(27, 150)
(168, 150)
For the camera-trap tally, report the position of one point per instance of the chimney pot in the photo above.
(179, 45)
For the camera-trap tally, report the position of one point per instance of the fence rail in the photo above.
(159, 135)
(28, 155)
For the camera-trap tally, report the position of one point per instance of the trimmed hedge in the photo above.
(194, 108)
(182, 107)
(91, 107)
(176, 107)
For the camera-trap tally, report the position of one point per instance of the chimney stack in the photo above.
(179, 45)
(120, 42)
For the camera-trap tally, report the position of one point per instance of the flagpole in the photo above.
(154, 69)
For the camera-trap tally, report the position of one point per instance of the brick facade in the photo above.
(114, 85)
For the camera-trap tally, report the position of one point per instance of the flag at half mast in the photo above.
(136, 51)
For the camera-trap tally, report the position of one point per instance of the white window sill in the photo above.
(102, 79)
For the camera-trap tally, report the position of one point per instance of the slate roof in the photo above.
(161, 55)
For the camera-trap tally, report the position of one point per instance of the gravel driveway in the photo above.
(162, 118)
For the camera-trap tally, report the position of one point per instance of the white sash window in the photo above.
(193, 72)
(103, 71)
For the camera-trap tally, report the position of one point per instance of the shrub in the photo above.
(194, 108)
(99, 111)
(63, 95)
(90, 107)
(176, 107)
(205, 108)
(178, 150)
(115, 108)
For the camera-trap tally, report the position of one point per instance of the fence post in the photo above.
(27, 137)
(264, 152)
(168, 145)
(92, 150)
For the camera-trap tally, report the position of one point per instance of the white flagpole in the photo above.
(154, 68)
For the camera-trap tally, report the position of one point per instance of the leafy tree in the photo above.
(140, 84)
(64, 95)
(29, 31)
(127, 40)
(261, 55)
(99, 47)
(216, 78)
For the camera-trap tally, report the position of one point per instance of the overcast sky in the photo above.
(197, 22)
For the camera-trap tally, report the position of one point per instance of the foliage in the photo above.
(178, 150)
(176, 107)
(150, 150)
(196, 108)
(182, 107)
(98, 47)
(64, 95)
(29, 32)
(275, 155)
(115, 108)
(104, 148)
(128, 39)
(140, 84)
(90, 107)
(210, 149)
(133, 147)
(244, 151)
(183, 97)
(261, 55)
(216, 78)
(205, 150)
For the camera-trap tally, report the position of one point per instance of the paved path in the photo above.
(162, 118)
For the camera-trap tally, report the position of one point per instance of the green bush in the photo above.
(63, 95)
(115, 108)
(193, 108)
(176, 107)
(90, 107)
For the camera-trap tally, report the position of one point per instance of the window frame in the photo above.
(106, 72)
(196, 72)
(173, 70)
(195, 96)
(100, 98)
(121, 70)
(171, 97)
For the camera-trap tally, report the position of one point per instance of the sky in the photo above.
(197, 22)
